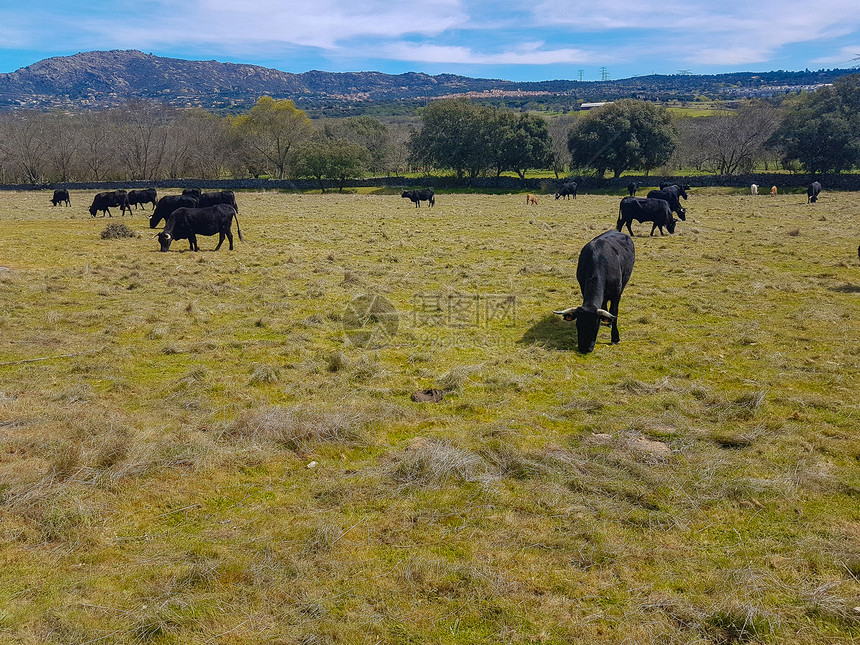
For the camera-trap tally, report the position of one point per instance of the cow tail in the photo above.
(238, 230)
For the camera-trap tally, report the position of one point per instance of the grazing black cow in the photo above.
(418, 196)
(605, 266)
(167, 204)
(632, 187)
(103, 202)
(812, 192)
(567, 190)
(678, 189)
(675, 189)
(61, 195)
(645, 210)
(144, 196)
(671, 197)
(192, 192)
(188, 223)
(220, 197)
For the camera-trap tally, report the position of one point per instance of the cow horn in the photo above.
(566, 311)
(167, 236)
(606, 314)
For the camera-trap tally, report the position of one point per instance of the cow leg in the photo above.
(630, 230)
(655, 226)
(221, 241)
(230, 239)
(613, 309)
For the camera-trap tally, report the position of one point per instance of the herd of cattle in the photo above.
(186, 216)
(606, 262)
(603, 270)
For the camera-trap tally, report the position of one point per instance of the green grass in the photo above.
(204, 456)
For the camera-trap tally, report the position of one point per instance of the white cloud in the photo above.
(618, 33)
(729, 32)
(845, 57)
(601, 15)
(525, 54)
(324, 23)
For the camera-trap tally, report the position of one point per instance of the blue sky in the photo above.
(515, 40)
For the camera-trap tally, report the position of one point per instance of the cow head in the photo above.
(670, 225)
(682, 213)
(164, 240)
(588, 321)
(93, 211)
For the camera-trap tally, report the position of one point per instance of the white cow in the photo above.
(754, 189)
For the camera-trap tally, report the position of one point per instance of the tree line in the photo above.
(817, 132)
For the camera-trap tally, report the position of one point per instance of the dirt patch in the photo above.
(649, 446)
(428, 396)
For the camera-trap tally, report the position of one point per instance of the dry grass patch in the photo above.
(434, 463)
(299, 428)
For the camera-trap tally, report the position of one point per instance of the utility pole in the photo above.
(604, 74)
(581, 72)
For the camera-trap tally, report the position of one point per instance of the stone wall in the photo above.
(512, 184)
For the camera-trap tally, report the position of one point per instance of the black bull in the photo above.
(604, 268)
(645, 209)
(167, 204)
(417, 196)
(670, 196)
(140, 197)
(103, 202)
(188, 223)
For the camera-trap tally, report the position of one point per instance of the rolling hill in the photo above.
(100, 79)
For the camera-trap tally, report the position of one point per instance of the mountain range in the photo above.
(101, 79)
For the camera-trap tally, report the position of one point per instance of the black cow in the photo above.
(418, 196)
(632, 187)
(61, 195)
(167, 204)
(605, 266)
(812, 192)
(192, 192)
(103, 202)
(188, 223)
(144, 196)
(220, 197)
(567, 190)
(671, 197)
(678, 189)
(645, 210)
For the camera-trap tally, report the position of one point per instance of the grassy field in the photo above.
(221, 447)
